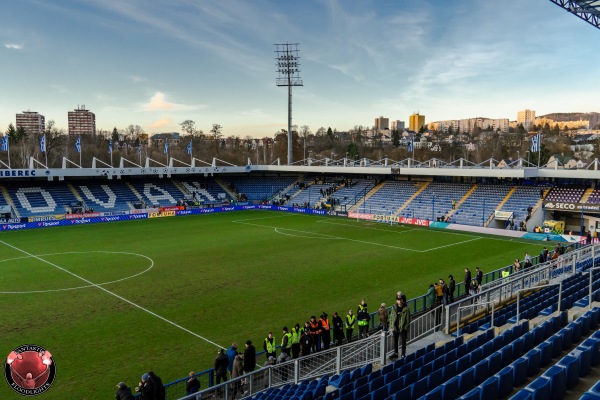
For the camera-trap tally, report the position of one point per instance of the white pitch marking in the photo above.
(86, 286)
(451, 244)
(256, 219)
(366, 227)
(114, 294)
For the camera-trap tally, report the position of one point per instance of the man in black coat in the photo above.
(146, 388)
(249, 357)
(192, 385)
(159, 390)
(123, 392)
(338, 329)
(221, 364)
(467, 280)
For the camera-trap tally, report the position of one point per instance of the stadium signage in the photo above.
(13, 226)
(161, 214)
(10, 220)
(110, 219)
(360, 215)
(503, 215)
(575, 207)
(79, 216)
(40, 219)
(138, 216)
(338, 213)
(17, 173)
(413, 221)
(384, 218)
(171, 208)
(51, 223)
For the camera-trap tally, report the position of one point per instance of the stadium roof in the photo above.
(587, 10)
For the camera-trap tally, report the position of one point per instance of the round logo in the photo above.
(30, 370)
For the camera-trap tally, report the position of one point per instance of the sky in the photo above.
(156, 63)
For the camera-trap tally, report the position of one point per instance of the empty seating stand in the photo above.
(41, 198)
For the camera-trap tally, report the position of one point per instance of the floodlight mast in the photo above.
(288, 74)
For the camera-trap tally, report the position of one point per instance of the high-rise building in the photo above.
(416, 122)
(397, 125)
(382, 124)
(31, 122)
(526, 117)
(82, 122)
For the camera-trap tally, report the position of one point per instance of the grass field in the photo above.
(112, 301)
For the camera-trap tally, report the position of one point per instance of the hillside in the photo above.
(593, 117)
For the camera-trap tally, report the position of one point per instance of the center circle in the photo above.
(84, 286)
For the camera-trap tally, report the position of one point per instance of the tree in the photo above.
(352, 151)
(329, 133)
(216, 131)
(11, 133)
(115, 135)
(20, 134)
(189, 127)
(395, 138)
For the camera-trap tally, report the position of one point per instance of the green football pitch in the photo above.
(112, 301)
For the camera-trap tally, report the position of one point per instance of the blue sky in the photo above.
(156, 63)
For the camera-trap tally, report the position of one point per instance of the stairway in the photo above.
(414, 196)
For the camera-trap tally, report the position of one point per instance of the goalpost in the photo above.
(379, 215)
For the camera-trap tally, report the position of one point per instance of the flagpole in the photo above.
(80, 151)
(539, 148)
(8, 151)
(413, 147)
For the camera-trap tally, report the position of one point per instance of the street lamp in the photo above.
(527, 157)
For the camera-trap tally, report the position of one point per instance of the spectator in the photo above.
(159, 390)
(296, 334)
(283, 357)
(399, 324)
(315, 331)
(325, 330)
(249, 357)
(146, 388)
(221, 366)
(400, 294)
(516, 265)
(306, 340)
(286, 341)
(467, 280)
(478, 275)
(236, 372)
(439, 291)
(474, 287)
(363, 322)
(430, 297)
(527, 260)
(361, 305)
(231, 353)
(270, 361)
(505, 273)
(269, 346)
(338, 329)
(383, 317)
(350, 323)
(451, 289)
(123, 392)
(192, 385)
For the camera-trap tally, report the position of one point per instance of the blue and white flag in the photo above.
(189, 147)
(110, 146)
(43, 144)
(166, 146)
(411, 145)
(5, 143)
(78, 144)
(536, 143)
(140, 148)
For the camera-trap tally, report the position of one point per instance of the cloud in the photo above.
(158, 102)
(161, 123)
(13, 46)
(137, 79)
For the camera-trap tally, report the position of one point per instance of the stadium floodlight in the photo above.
(587, 10)
(288, 74)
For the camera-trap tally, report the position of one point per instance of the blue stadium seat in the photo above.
(356, 373)
(361, 391)
(363, 380)
(449, 371)
(390, 376)
(403, 394)
(411, 378)
(380, 394)
(558, 381)
(466, 380)
(366, 370)
(583, 355)
(494, 363)
(506, 355)
(519, 367)
(435, 394)
(571, 365)
(594, 345)
(489, 388)
(435, 379)
(424, 371)
(374, 375)
(481, 372)
(340, 380)
(517, 348)
(567, 337)
(473, 394)
(450, 389)
(528, 341)
(533, 362)
(505, 381)
(540, 389)
(376, 383)
(556, 341)
(387, 369)
(395, 386)
(545, 349)
(522, 394)
(419, 388)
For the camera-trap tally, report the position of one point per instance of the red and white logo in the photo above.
(30, 370)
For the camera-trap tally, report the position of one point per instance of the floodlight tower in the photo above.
(288, 74)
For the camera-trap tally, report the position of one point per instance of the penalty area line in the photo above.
(113, 294)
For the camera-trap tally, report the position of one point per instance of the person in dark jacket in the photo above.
(192, 385)
(479, 276)
(306, 340)
(249, 357)
(221, 364)
(338, 329)
(146, 388)
(159, 390)
(451, 289)
(467, 280)
(123, 392)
